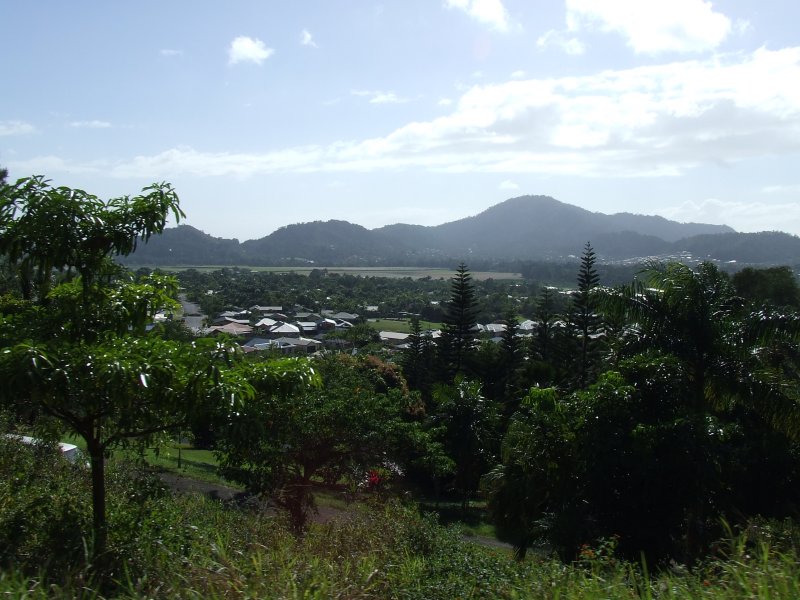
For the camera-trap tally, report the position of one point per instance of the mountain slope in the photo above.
(525, 228)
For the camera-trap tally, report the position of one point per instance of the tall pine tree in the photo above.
(583, 314)
(460, 317)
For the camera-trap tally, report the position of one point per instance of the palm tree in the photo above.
(734, 353)
(739, 360)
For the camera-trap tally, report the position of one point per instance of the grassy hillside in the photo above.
(188, 546)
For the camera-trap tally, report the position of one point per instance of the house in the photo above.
(340, 316)
(393, 338)
(326, 325)
(495, 328)
(300, 345)
(307, 316)
(265, 323)
(307, 326)
(237, 329)
(281, 329)
(264, 310)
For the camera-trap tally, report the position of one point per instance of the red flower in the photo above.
(374, 477)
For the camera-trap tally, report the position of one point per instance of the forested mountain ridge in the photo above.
(523, 228)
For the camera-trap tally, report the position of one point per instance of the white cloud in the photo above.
(490, 12)
(379, 97)
(170, 52)
(16, 128)
(742, 216)
(782, 189)
(660, 120)
(306, 39)
(247, 49)
(445, 102)
(508, 185)
(518, 75)
(90, 124)
(653, 26)
(570, 45)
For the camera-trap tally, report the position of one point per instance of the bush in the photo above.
(44, 515)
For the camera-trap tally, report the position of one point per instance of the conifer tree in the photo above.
(417, 359)
(583, 314)
(460, 317)
(512, 355)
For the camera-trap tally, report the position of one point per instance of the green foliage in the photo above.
(467, 424)
(43, 228)
(359, 418)
(459, 318)
(776, 285)
(46, 512)
(192, 547)
(628, 457)
(537, 473)
(584, 318)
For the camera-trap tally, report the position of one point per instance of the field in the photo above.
(394, 272)
(400, 325)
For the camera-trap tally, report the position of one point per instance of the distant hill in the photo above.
(523, 228)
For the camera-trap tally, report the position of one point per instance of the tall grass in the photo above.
(189, 546)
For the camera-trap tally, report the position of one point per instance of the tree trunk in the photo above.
(99, 525)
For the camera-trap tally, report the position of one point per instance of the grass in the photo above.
(200, 549)
(182, 459)
(400, 325)
(164, 546)
(473, 520)
(185, 460)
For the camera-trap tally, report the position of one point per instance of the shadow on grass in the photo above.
(474, 520)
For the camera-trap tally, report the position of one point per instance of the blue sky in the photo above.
(268, 113)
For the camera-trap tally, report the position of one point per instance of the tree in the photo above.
(360, 418)
(739, 361)
(777, 285)
(468, 424)
(417, 360)
(511, 361)
(537, 471)
(583, 313)
(459, 319)
(77, 351)
(43, 229)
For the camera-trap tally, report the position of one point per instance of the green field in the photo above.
(400, 326)
(394, 272)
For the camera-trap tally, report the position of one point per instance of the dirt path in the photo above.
(324, 514)
(187, 485)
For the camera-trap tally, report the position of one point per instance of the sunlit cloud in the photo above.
(653, 26)
(306, 39)
(380, 97)
(247, 49)
(742, 216)
(568, 44)
(654, 121)
(16, 128)
(508, 185)
(95, 124)
(488, 12)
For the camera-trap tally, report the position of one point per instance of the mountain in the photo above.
(523, 228)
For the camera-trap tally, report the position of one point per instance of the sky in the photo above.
(267, 113)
